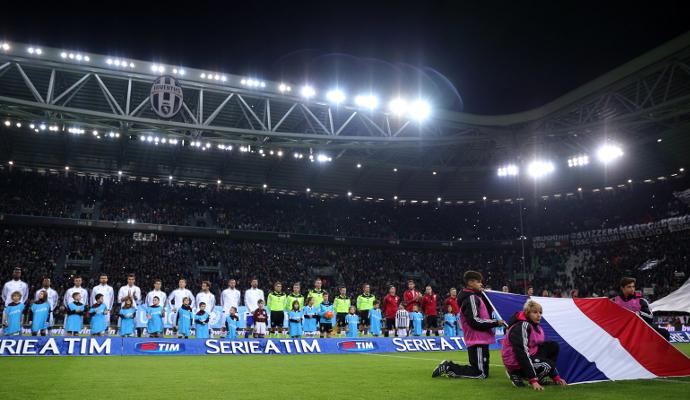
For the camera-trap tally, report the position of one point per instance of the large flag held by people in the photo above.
(599, 340)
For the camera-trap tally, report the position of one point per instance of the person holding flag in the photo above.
(478, 329)
(629, 299)
(525, 353)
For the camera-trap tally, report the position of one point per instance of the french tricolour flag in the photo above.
(599, 340)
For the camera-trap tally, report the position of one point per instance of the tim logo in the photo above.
(159, 347)
(166, 96)
(354, 346)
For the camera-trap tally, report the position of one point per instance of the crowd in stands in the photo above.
(62, 195)
(38, 251)
(587, 271)
(658, 262)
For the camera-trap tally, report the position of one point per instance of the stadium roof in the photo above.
(374, 152)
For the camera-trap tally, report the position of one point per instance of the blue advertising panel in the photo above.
(115, 346)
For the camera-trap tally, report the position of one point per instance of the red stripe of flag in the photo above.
(649, 348)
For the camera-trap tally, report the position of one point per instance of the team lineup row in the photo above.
(305, 315)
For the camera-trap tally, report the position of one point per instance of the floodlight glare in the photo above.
(508, 170)
(397, 106)
(578, 161)
(367, 101)
(538, 169)
(335, 96)
(308, 92)
(420, 110)
(608, 153)
(323, 158)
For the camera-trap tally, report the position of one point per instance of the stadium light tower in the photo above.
(538, 168)
(608, 153)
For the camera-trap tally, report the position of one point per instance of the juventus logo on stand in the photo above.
(166, 96)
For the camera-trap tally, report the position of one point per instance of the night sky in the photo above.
(484, 57)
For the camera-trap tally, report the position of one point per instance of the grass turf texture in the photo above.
(349, 376)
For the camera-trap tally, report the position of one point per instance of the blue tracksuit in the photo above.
(75, 312)
(352, 321)
(127, 316)
(40, 313)
(323, 308)
(295, 323)
(417, 319)
(201, 323)
(155, 324)
(450, 321)
(184, 321)
(310, 323)
(98, 319)
(232, 322)
(14, 318)
(375, 321)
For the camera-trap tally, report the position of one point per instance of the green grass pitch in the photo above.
(352, 376)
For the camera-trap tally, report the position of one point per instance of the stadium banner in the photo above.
(60, 346)
(680, 337)
(668, 225)
(117, 346)
(599, 340)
